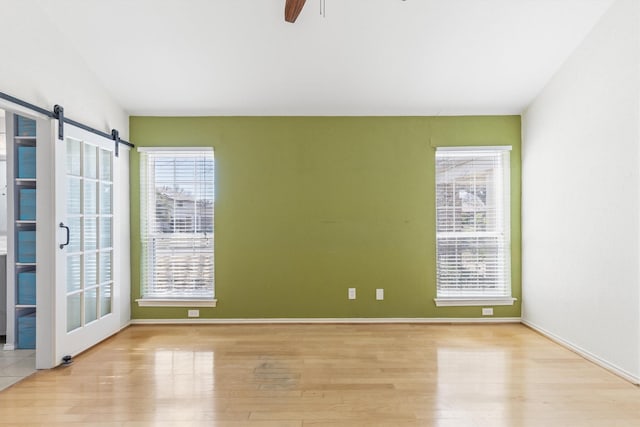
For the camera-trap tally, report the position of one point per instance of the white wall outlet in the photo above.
(487, 311)
(352, 293)
(379, 294)
(193, 313)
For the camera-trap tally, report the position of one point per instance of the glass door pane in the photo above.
(74, 312)
(74, 159)
(105, 299)
(74, 273)
(91, 305)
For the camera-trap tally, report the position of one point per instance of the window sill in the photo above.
(157, 302)
(469, 302)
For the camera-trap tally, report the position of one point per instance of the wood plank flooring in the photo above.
(325, 375)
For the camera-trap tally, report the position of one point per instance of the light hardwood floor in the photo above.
(325, 375)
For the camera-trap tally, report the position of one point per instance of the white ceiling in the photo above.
(366, 57)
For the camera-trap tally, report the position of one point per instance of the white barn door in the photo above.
(87, 292)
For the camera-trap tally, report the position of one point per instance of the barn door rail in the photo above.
(58, 114)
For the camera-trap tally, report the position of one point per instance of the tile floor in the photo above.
(16, 365)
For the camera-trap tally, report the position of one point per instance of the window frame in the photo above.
(172, 301)
(443, 300)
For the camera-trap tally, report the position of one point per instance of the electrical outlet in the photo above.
(352, 293)
(193, 313)
(487, 311)
(379, 294)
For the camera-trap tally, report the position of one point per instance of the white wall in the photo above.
(581, 189)
(40, 67)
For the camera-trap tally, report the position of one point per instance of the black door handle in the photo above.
(62, 245)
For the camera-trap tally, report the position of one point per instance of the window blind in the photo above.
(472, 223)
(177, 212)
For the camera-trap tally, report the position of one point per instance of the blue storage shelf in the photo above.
(26, 162)
(26, 246)
(23, 273)
(25, 126)
(27, 204)
(27, 288)
(27, 331)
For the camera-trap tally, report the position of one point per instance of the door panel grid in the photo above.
(90, 218)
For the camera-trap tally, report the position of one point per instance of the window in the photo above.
(472, 226)
(176, 223)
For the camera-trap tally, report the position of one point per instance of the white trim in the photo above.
(584, 353)
(176, 302)
(169, 149)
(342, 320)
(123, 327)
(9, 347)
(153, 294)
(477, 148)
(472, 302)
(14, 108)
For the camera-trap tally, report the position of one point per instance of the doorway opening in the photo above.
(17, 304)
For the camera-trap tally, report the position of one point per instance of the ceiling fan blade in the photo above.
(292, 9)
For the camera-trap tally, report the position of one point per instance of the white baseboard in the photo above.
(584, 353)
(328, 320)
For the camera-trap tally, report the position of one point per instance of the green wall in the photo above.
(307, 207)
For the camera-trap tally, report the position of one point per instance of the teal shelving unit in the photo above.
(24, 230)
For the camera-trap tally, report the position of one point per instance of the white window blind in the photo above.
(472, 220)
(177, 201)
